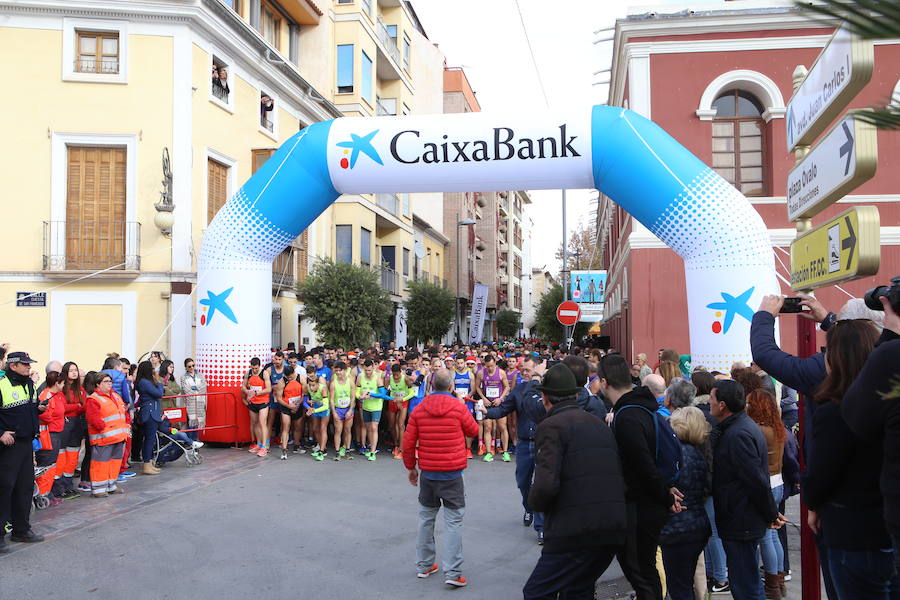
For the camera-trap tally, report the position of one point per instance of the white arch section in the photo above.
(744, 79)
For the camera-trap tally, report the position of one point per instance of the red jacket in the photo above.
(54, 417)
(74, 403)
(438, 426)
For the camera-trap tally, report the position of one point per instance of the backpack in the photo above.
(669, 457)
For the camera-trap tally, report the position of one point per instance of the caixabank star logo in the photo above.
(359, 144)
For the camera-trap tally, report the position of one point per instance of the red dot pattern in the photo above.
(224, 365)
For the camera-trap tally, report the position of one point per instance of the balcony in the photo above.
(480, 200)
(283, 271)
(220, 93)
(91, 245)
(503, 247)
(389, 61)
(390, 280)
(266, 123)
(389, 202)
(108, 66)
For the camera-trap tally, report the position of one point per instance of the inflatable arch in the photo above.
(728, 259)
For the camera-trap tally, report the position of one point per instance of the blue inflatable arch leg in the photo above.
(728, 259)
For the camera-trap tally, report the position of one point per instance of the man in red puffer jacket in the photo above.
(436, 436)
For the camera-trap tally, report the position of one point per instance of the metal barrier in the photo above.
(235, 404)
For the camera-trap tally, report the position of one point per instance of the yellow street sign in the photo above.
(845, 248)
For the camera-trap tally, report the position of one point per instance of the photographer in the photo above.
(871, 407)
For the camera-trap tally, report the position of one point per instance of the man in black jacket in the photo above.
(742, 496)
(578, 485)
(649, 499)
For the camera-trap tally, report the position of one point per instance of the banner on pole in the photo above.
(400, 327)
(479, 308)
(588, 289)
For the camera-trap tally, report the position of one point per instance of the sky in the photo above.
(487, 39)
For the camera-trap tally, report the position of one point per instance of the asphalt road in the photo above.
(243, 527)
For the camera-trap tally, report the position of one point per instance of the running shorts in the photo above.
(258, 407)
(371, 416)
(342, 412)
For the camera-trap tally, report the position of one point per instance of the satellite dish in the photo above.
(419, 250)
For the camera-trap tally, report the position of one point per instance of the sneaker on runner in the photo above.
(481, 449)
(427, 572)
(319, 456)
(284, 455)
(505, 457)
(342, 452)
(253, 449)
(263, 452)
(468, 454)
(457, 581)
(370, 456)
(399, 455)
(488, 457)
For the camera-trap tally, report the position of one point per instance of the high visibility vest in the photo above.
(13, 395)
(115, 429)
(44, 428)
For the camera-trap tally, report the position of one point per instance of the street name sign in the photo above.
(846, 157)
(842, 69)
(845, 248)
(568, 313)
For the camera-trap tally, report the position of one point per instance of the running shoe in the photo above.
(787, 576)
(284, 455)
(127, 474)
(505, 457)
(263, 452)
(528, 519)
(399, 455)
(468, 454)
(85, 487)
(337, 456)
(720, 587)
(370, 456)
(7, 528)
(394, 452)
(198, 445)
(488, 457)
(427, 572)
(319, 456)
(457, 581)
(342, 452)
(363, 450)
(121, 478)
(253, 449)
(70, 495)
(481, 449)
(540, 538)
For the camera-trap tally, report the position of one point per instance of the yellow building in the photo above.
(127, 144)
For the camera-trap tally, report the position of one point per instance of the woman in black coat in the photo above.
(685, 534)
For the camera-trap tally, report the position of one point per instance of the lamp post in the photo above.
(459, 223)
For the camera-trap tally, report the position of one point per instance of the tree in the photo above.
(871, 20)
(547, 326)
(583, 251)
(429, 311)
(346, 303)
(508, 322)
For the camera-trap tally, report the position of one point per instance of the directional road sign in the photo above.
(568, 313)
(845, 248)
(843, 68)
(845, 158)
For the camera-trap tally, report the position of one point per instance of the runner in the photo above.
(343, 390)
(401, 392)
(492, 387)
(256, 397)
(367, 384)
(289, 394)
(317, 406)
(462, 382)
(275, 372)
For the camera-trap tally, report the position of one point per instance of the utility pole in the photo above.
(565, 269)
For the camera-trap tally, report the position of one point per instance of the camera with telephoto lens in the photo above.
(892, 293)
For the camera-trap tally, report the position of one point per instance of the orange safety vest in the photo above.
(44, 428)
(115, 429)
(256, 381)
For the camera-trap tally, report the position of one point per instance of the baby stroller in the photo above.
(172, 444)
(40, 502)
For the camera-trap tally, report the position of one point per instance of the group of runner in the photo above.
(352, 399)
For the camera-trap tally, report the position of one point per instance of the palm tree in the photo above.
(872, 20)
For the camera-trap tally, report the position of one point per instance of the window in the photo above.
(270, 24)
(266, 114)
(406, 262)
(216, 187)
(517, 296)
(234, 4)
(221, 89)
(345, 1)
(386, 107)
(517, 235)
(95, 207)
(737, 141)
(343, 242)
(365, 246)
(406, 210)
(368, 91)
(392, 32)
(303, 256)
(259, 158)
(517, 265)
(294, 43)
(345, 69)
(98, 52)
(406, 48)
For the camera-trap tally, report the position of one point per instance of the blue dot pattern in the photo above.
(712, 226)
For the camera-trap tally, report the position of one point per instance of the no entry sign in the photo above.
(568, 313)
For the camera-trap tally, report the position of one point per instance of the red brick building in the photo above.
(719, 81)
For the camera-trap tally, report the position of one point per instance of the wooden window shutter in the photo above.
(95, 207)
(260, 156)
(217, 188)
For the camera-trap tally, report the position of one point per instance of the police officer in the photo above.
(18, 428)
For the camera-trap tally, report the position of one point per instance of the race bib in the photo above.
(493, 392)
(255, 389)
(295, 401)
(343, 402)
